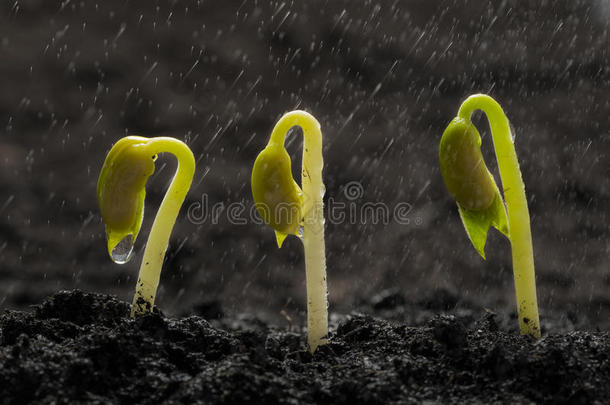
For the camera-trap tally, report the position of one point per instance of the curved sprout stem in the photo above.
(313, 228)
(516, 205)
(150, 269)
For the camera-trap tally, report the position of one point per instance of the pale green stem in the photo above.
(313, 229)
(516, 205)
(150, 270)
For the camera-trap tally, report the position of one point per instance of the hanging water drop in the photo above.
(123, 251)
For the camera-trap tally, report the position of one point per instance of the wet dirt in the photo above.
(83, 347)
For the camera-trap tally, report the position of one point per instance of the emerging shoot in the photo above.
(283, 206)
(479, 201)
(120, 194)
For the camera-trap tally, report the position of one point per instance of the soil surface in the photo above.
(83, 347)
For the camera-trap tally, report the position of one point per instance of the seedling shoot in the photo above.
(290, 211)
(479, 201)
(121, 193)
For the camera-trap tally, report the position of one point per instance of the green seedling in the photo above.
(290, 211)
(479, 201)
(120, 194)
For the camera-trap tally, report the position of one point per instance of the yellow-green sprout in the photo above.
(120, 194)
(479, 201)
(282, 205)
(278, 198)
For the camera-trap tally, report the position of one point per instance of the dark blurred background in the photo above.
(383, 77)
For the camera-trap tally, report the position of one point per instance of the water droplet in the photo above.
(301, 231)
(512, 131)
(123, 251)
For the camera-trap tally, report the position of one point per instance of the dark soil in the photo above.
(83, 347)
